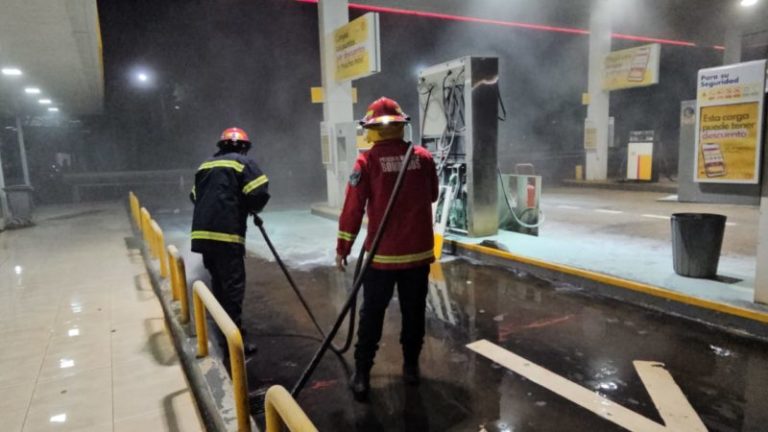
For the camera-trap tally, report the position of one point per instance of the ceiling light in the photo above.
(45, 101)
(143, 77)
(53, 109)
(11, 71)
(32, 90)
(747, 3)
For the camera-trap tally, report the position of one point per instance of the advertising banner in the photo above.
(634, 67)
(356, 48)
(729, 123)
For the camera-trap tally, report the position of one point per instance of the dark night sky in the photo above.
(251, 63)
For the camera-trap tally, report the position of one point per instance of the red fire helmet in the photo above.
(234, 134)
(384, 111)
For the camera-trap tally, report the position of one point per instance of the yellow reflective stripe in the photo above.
(346, 236)
(194, 192)
(254, 184)
(400, 259)
(235, 165)
(222, 237)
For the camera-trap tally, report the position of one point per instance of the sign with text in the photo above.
(356, 48)
(633, 67)
(729, 123)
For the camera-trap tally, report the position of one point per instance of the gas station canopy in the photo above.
(50, 51)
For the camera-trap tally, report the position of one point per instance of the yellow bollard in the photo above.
(161, 252)
(181, 274)
(173, 255)
(204, 299)
(281, 409)
(145, 228)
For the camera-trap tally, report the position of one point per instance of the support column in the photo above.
(3, 198)
(761, 276)
(337, 107)
(732, 52)
(599, 100)
(22, 151)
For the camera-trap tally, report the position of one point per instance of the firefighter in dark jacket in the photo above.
(406, 248)
(228, 187)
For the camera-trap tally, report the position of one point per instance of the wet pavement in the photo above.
(589, 340)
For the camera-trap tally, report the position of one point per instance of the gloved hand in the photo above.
(257, 220)
(341, 263)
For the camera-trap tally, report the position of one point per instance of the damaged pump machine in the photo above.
(458, 106)
(459, 113)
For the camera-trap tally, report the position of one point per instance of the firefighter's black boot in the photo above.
(361, 384)
(411, 373)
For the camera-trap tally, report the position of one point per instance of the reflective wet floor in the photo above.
(589, 340)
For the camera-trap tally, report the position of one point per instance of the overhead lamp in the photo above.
(53, 109)
(45, 101)
(32, 90)
(747, 3)
(142, 77)
(11, 71)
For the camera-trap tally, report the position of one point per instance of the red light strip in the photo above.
(528, 26)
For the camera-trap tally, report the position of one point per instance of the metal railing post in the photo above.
(181, 274)
(173, 257)
(281, 409)
(145, 228)
(204, 299)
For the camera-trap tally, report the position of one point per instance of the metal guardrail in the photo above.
(204, 300)
(281, 410)
(179, 282)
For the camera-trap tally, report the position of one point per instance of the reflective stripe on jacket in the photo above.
(408, 241)
(227, 188)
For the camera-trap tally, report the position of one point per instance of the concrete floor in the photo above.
(84, 342)
(589, 340)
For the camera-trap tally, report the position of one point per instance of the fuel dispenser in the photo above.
(640, 165)
(458, 106)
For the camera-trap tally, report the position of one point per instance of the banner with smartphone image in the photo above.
(729, 123)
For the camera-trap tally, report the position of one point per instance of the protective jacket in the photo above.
(228, 187)
(408, 240)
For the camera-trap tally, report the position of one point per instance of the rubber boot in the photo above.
(360, 383)
(411, 373)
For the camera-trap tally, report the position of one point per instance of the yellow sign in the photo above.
(727, 146)
(356, 47)
(729, 123)
(634, 67)
(317, 94)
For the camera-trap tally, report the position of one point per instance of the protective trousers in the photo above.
(227, 269)
(378, 287)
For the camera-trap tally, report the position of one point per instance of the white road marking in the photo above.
(609, 211)
(674, 408)
(731, 223)
(568, 207)
(667, 396)
(656, 216)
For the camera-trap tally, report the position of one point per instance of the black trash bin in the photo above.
(696, 242)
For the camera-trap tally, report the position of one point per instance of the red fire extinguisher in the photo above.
(531, 193)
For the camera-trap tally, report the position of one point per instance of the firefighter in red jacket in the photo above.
(406, 248)
(228, 187)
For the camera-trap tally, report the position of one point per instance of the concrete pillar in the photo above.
(22, 151)
(732, 46)
(3, 198)
(337, 107)
(599, 100)
(761, 276)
